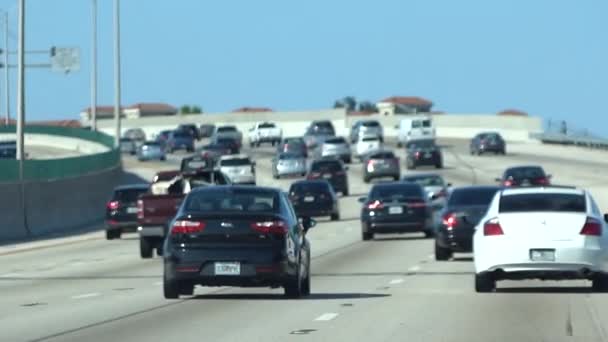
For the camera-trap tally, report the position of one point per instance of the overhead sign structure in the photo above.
(65, 59)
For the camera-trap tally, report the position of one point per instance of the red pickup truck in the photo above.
(156, 209)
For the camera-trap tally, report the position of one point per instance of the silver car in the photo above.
(151, 150)
(366, 128)
(434, 185)
(288, 164)
(128, 145)
(337, 147)
(136, 134)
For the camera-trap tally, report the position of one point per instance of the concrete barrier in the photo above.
(55, 207)
(294, 123)
(79, 146)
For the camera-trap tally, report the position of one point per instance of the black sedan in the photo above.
(488, 142)
(121, 210)
(332, 170)
(395, 207)
(525, 175)
(423, 152)
(237, 236)
(313, 198)
(465, 207)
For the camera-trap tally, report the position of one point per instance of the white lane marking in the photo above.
(414, 268)
(349, 229)
(328, 316)
(431, 256)
(10, 275)
(395, 281)
(87, 295)
(158, 283)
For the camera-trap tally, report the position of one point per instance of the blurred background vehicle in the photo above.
(192, 129)
(228, 131)
(214, 151)
(293, 145)
(136, 134)
(395, 207)
(413, 128)
(180, 140)
(151, 150)
(288, 164)
(367, 144)
(423, 152)
(264, 132)
(363, 128)
(314, 198)
(381, 164)
(465, 207)
(231, 143)
(121, 210)
(332, 170)
(433, 184)
(128, 145)
(196, 164)
(239, 168)
(487, 142)
(525, 175)
(317, 132)
(336, 147)
(206, 130)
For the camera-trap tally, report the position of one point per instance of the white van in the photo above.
(415, 127)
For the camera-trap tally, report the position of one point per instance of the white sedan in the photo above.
(547, 233)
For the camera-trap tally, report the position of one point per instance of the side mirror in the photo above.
(606, 218)
(362, 199)
(449, 185)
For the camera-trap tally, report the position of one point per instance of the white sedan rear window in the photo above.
(542, 202)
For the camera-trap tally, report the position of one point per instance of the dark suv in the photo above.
(465, 207)
(121, 210)
(332, 170)
(487, 142)
(528, 175)
(381, 164)
(423, 152)
(237, 236)
(395, 207)
(314, 198)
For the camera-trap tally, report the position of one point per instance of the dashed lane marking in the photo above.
(395, 281)
(328, 316)
(87, 295)
(414, 268)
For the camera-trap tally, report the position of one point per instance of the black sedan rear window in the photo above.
(472, 196)
(525, 172)
(338, 140)
(382, 155)
(128, 195)
(425, 180)
(241, 200)
(326, 165)
(423, 143)
(314, 187)
(225, 129)
(394, 190)
(542, 202)
(370, 124)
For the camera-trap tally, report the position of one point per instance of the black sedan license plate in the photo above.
(542, 254)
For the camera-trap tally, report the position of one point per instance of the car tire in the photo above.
(484, 283)
(345, 192)
(303, 174)
(366, 236)
(112, 234)
(335, 217)
(399, 144)
(439, 166)
(170, 288)
(366, 179)
(503, 152)
(163, 158)
(429, 233)
(600, 283)
(441, 253)
(293, 287)
(145, 248)
(396, 178)
(190, 149)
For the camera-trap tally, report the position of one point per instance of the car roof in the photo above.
(543, 190)
(230, 187)
(524, 167)
(235, 156)
(394, 183)
(477, 187)
(310, 181)
(139, 186)
(421, 175)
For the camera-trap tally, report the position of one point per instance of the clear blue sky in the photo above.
(547, 57)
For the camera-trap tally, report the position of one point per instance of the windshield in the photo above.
(128, 195)
(396, 191)
(244, 201)
(235, 162)
(226, 129)
(423, 143)
(382, 155)
(327, 165)
(181, 134)
(550, 202)
(335, 141)
(370, 139)
(472, 196)
(267, 125)
(309, 187)
(370, 124)
(525, 173)
(425, 180)
(287, 156)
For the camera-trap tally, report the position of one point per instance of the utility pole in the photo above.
(7, 102)
(21, 86)
(117, 105)
(94, 65)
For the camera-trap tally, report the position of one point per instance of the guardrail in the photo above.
(564, 139)
(53, 169)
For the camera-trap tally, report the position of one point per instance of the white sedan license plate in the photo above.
(132, 210)
(542, 254)
(395, 210)
(227, 268)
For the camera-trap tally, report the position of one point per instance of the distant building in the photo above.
(140, 110)
(513, 112)
(404, 105)
(102, 112)
(252, 110)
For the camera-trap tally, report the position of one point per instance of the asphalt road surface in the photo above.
(389, 289)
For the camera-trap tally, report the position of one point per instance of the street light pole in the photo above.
(94, 65)
(21, 85)
(117, 105)
(7, 102)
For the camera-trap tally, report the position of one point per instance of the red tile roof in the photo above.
(101, 109)
(408, 100)
(514, 112)
(356, 113)
(153, 107)
(252, 110)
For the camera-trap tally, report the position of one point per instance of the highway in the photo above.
(389, 289)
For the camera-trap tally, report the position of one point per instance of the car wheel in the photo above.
(439, 165)
(366, 179)
(429, 234)
(145, 248)
(112, 234)
(484, 282)
(190, 149)
(441, 253)
(170, 288)
(250, 144)
(396, 178)
(303, 174)
(335, 217)
(600, 283)
(503, 152)
(366, 236)
(399, 144)
(345, 192)
(293, 287)
(349, 160)
(163, 158)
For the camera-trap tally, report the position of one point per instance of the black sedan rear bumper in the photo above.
(396, 225)
(456, 241)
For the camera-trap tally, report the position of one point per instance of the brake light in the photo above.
(542, 181)
(113, 205)
(592, 227)
(416, 205)
(450, 221)
(140, 209)
(270, 227)
(492, 228)
(418, 154)
(508, 183)
(314, 175)
(187, 227)
(375, 205)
